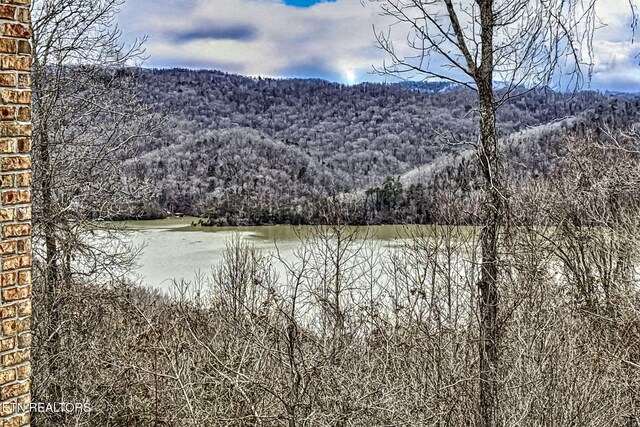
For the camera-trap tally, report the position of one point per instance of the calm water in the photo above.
(174, 250)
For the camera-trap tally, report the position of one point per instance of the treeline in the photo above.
(233, 145)
(389, 203)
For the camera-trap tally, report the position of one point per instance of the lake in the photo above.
(175, 250)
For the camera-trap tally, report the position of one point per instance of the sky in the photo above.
(328, 39)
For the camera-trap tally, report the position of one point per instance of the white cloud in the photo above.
(335, 39)
(330, 40)
(615, 56)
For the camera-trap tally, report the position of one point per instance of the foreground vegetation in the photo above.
(352, 338)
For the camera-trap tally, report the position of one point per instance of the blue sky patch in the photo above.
(304, 3)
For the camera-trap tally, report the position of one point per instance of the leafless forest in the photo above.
(350, 338)
(518, 305)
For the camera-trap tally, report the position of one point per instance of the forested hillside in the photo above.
(266, 150)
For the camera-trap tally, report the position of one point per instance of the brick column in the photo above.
(15, 212)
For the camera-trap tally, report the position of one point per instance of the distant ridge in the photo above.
(433, 87)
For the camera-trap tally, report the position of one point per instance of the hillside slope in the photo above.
(233, 143)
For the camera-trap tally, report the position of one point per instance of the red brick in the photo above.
(8, 279)
(7, 344)
(24, 308)
(24, 371)
(24, 114)
(10, 96)
(16, 30)
(26, 399)
(12, 62)
(8, 311)
(24, 47)
(14, 129)
(23, 179)
(15, 163)
(24, 2)
(8, 80)
(13, 390)
(6, 408)
(24, 144)
(24, 340)
(24, 277)
(8, 45)
(15, 262)
(6, 214)
(9, 328)
(18, 420)
(15, 210)
(16, 230)
(24, 80)
(13, 327)
(7, 12)
(7, 113)
(23, 245)
(24, 15)
(16, 357)
(15, 197)
(13, 294)
(24, 214)
(8, 248)
(7, 145)
(8, 375)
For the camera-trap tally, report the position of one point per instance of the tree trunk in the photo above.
(492, 215)
(51, 276)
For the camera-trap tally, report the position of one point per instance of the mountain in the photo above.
(235, 146)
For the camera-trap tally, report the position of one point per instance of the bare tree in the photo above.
(86, 115)
(488, 45)
(580, 223)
